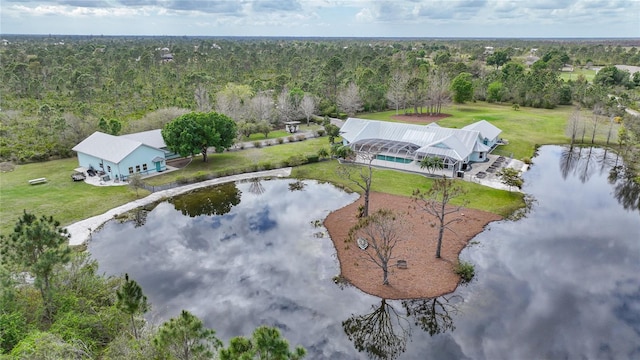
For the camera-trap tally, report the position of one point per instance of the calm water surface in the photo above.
(564, 282)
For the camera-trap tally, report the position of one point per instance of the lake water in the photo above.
(563, 282)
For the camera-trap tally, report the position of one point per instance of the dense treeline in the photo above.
(57, 90)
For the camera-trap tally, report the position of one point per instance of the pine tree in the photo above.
(37, 245)
(186, 338)
(131, 301)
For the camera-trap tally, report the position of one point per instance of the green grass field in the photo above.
(60, 197)
(573, 75)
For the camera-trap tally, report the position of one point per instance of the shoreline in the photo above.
(425, 276)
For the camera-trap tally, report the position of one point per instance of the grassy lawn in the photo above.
(243, 159)
(65, 200)
(524, 128)
(400, 183)
(588, 74)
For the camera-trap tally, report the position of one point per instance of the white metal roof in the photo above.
(151, 138)
(434, 140)
(107, 147)
(485, 128)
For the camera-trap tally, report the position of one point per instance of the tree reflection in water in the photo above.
(296, 185)
(256, 187)
(383, 333)
(433, 315)
(582, 163)
(217, 200)
(626, 187)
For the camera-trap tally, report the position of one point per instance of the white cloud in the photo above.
(474, 18)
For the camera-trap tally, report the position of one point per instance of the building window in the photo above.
(130, 170)
(108, 168)
(144, 167)
(137, 168)
(481, 155)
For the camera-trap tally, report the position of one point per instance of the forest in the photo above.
(57, 90)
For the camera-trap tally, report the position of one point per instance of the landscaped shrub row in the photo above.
(295, 160)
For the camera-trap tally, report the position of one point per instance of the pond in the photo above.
(560, 283)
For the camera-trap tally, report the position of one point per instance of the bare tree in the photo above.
(435, 202)
(397, 93)
(381, 231)
(309, 106)
(287, 109)
(363, 176)
(135, 182)
(233, 101)
(203, 104)
(262, 108)
(574, 125)
(349, 99)
(597, 110)
(438, 91)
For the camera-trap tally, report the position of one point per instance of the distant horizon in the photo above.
(331, 37)
(485, 19)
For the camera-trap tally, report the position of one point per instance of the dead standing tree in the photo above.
(361, 176)
(435, 202)
(381, 231)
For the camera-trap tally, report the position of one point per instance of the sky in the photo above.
(326, 18)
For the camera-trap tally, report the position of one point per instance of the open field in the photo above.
(589, 74)
(60, 197)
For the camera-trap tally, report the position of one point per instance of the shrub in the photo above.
(527, 160)
(300, 137)
(291, 138)
(257, 144)
(182, 180)
(466, 271)
(241, 146)
(320, 132)
(268, 143)
(267, 166)
(313, 158)
(201, 176)
(280, 140)
(296, 160)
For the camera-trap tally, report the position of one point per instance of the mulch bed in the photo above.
(425, 276)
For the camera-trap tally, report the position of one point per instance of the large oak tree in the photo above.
(196, 132)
